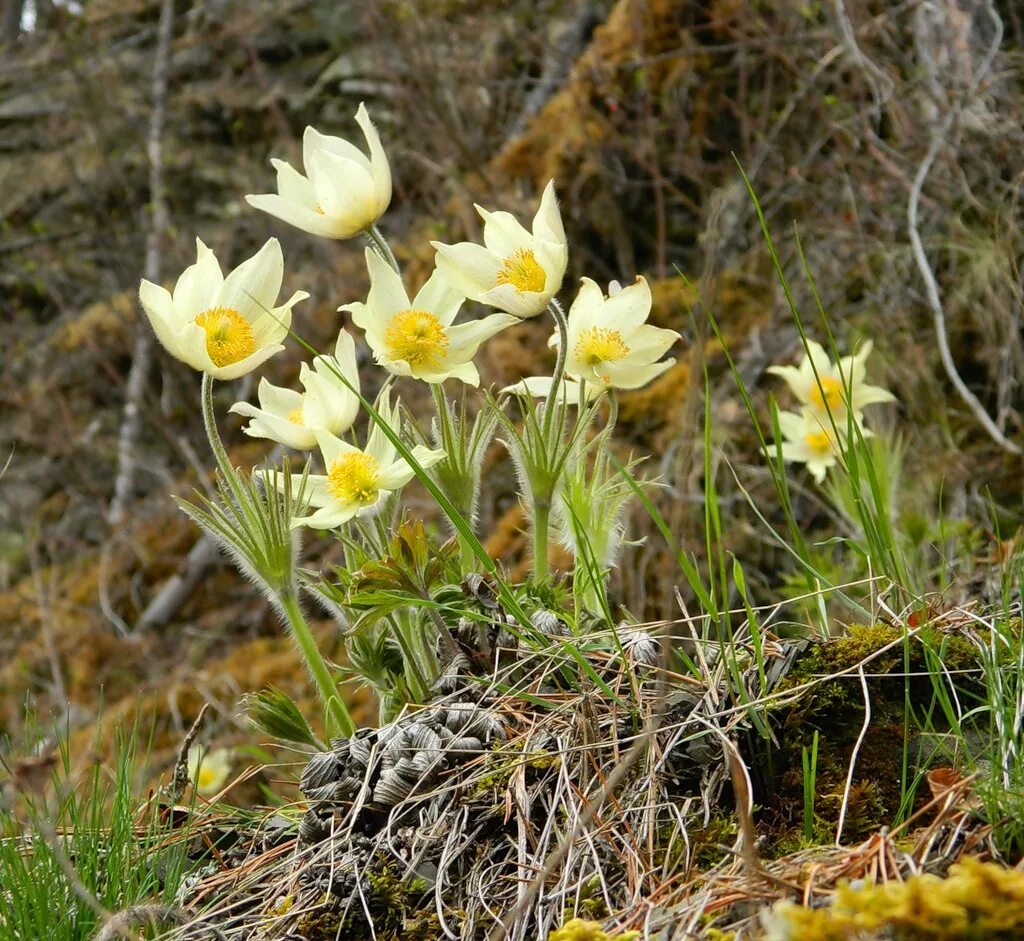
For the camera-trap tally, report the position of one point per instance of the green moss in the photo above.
(977, 902)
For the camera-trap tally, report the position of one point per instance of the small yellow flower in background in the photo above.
(357, 481)
(514, 270)
(291, 418)
(208, 770)
(811, 440)
(610, 344)
(343, 192)
(834, 384)
(223, 326)
(418, 338)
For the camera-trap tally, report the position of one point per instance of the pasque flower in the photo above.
(342, 193)
(808, 438)
(514, 270)
(825, 387)
(418, 338)
(224, 326)
(291, 418)
(356, 481)
(609, 343)
(208, 770)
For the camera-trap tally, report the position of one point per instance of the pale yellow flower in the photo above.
(835, 386)
(291, 418)
(418, 337)
(208, 770)
(514, 270)
(223, 326)
(343, 191)
(609, 344)
(358, 480)
(810, 439)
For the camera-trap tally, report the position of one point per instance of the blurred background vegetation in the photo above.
(641, 110)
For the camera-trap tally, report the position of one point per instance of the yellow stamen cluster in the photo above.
(229, 336)
(353, 479)
(830, 392)
(295, 416)
(598, 345)
(522, 271)
(418, 337)
(207, 779)
(819, 443)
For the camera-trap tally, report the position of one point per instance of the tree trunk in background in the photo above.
(10, 23)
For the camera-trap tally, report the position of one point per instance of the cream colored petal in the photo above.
(439, 297)
(464, 372)
(503, 233)
(380, 169)
(521, 303)
(306, 219)
(331, 446)
(313, 142)
(792, 425)
(345, 192)
(648, 343)
(273, 427)
(294, 186)
(553, 259)
(328, 517)
(395, 476)
(159, 308)
(272, 326)
(378, 445)
(253, 286)
(199, 285)
(387, 293)
(628, 309)
(191, 343)
(587, 308)
(276, 399)
(328, 403)
(627, 376)
(470, 268)
(547, 223)
(465, 338)
(244, 366)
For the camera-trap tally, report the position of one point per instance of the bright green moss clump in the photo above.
(976, 902)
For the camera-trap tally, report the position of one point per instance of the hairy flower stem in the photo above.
(542, 499)
(336, 716)
(220, 453)
(380, 245)
(337, 720)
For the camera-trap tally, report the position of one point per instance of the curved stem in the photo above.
(210, 423)
(381, 246)
(555, 396)
(337, 720)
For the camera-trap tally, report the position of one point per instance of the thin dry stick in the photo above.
(180, 779)
(854, 753)
(917, 246)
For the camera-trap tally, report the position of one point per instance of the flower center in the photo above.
(828, 393)
(598, 345)
(818, 443)
(229, 336)
(353, 479)
(522, 271)
(207, 779)
(295, 416)
(418, 337)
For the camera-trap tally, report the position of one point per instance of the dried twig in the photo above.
(917, 246)
(180, 779)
